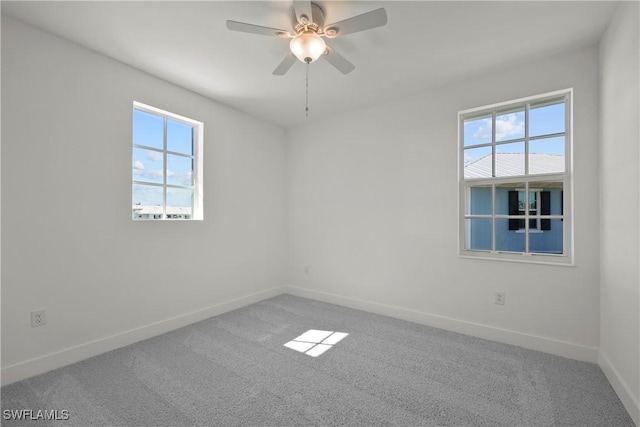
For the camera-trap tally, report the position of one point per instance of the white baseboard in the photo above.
(65, 357)
(533, 342)
(628, 399)
(39, 365)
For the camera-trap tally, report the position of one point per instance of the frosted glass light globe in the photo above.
(307, 46)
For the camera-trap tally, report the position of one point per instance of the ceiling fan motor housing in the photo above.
(315, 22)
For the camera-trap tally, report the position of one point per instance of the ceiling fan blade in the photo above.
(366, 21)
(256, 29)
(338, 61)
(284, 66)
(303, 11)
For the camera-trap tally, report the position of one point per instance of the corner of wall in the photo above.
(622, 389)
(619, 158)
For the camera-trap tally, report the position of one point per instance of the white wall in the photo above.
(620, 186)
(372, 205)
(68, 242)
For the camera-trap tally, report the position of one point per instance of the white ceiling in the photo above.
(424, 45)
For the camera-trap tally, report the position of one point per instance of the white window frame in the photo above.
(197, 213)
(566, 258)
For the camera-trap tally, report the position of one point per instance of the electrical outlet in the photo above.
(38, 318)
(499, 298)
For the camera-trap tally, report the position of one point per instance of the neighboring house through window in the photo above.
(167, 165)
(514, 179)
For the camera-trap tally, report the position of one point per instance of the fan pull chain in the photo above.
(306, 109)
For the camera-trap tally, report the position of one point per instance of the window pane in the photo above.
(148, 129)
(548, 241)
(149, 195)
(179, 137)
(553, 203)
(546, 118)
(147, 165)
(478, 235)
(508, 240)
(510, 124)
(510, 159)
(477, 162)
(179, 203)
(533, 201)
(479, 200)
(477, 130)
(505, 203)
(179, 170)
(546, 156)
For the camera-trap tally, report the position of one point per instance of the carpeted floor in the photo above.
(234, 369)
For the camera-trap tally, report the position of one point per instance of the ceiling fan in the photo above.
(309, 32)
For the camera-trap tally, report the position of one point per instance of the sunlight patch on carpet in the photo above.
(314, 342)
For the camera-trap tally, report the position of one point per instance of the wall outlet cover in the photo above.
(38, 318)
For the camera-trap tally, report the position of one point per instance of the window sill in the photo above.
(543, 259)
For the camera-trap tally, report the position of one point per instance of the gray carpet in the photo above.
(234, 369)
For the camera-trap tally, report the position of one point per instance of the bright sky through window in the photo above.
(543, 121)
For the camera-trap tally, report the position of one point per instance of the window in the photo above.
(167, 165)
(515, 180)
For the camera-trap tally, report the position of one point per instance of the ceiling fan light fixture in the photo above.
(307, 46)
